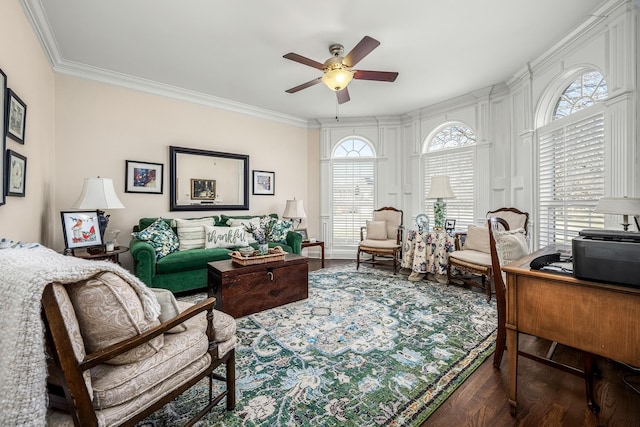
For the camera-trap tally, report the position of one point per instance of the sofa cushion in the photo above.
(114, 385)
(376, 230)
(145, 222)
(110, 311)
(168, 308)
(191, 232)
(225, 237)
(160, 236)
(193, 259)
(280, 230)
(477, 239)
(510, 245)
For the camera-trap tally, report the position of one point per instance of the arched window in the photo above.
(451, 151)
(353, 190)
(571, 161)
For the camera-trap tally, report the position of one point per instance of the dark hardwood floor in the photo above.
(546, 396)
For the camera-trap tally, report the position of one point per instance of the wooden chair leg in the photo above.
(358, 260)
(231, 381)
(589, 369)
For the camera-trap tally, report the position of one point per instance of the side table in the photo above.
(427, 253)
(101, 256)
(308, 244)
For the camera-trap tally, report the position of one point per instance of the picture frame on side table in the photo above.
(450, 224)
(3, 131)
(264, 182)
(304, 233)
(143, 177)
(16, 117)
(16, 177)
(81, 229)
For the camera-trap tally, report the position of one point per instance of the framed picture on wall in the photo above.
(3, 130)
(17, 119)
(16, 174)
(264, 182)
(203, 189)
(81, 229)
(143, 177)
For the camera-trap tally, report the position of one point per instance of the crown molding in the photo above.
(35, 14)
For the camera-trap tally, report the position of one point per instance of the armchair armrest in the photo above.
(98, 357)
(400, 233)
(144, 260)
(459, 236)
(294, 240)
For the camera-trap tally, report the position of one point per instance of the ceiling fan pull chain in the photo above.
(337, 110)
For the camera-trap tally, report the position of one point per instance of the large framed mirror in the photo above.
(202, 180)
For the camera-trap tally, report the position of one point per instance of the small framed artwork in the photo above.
(3, 131)
(17, 117)
(143, 177)
(449, 224)
(264, 182)
(303, 232)
(203, 189)
(81, 229)
(16, 174)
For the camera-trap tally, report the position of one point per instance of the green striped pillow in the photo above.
(191, 232)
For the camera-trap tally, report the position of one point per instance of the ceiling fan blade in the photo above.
(302, 60)
(304, 85)
(343, 96)
(362, 49)
(381, 76)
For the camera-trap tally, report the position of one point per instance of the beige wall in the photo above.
(29, 74)
(99, 126)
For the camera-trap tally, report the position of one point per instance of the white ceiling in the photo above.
(230, 52)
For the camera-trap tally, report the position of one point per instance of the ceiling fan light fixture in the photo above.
(337, 77)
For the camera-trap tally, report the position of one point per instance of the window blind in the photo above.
(571, 179)
(352, 200)
(458, 164)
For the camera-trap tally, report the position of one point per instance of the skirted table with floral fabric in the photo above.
(427, 253)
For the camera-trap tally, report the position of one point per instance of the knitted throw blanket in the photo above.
(24, 273)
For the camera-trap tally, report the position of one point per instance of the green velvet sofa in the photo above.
(187, 269)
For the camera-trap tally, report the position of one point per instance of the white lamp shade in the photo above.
(618, 205)
(440, 188)
(98, 193)
(294, 210)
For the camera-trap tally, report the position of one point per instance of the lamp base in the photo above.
(439, 214)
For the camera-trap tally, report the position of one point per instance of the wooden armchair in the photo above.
(382, 238)
(125, 381)
(474, 257)
(506, 247)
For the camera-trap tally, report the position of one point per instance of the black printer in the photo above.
(607, 255)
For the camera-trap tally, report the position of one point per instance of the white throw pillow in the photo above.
(191, 232)
(255, 221)
(477, 239)
(511, 245)
(168, 308)
(376, 230)
(225, 237)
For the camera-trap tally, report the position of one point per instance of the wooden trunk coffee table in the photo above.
(243, 290)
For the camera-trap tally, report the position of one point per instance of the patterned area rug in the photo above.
(366, 349)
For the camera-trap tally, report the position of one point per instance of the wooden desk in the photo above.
(308, 244)
(600, 318)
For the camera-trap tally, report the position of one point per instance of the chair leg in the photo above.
(358, 260)
(231, 381)
(589, 369)
(487, 287)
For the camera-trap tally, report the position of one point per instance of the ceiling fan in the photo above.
(337, 70)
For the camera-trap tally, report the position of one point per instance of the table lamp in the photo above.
(98, 193)
(440, 189)
(624, 206)
(294, 211)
